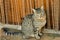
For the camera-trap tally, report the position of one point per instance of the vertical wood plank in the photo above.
(45, 5)
(12, 10)
(2, 11)
(56, 14)
(48, 14)
(27, 7)
(23, 8)
(17, 13)
(39, 3)
(52, 12)
(36, 3)
(31, 4)
(19, 16)
(6, 10)
(9, 12)
(20, 10)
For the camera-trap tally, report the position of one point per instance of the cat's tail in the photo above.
(18, 27)
(9, 31)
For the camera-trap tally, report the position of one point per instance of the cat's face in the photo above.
(39, 13)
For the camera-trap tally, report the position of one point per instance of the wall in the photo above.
(12, 11)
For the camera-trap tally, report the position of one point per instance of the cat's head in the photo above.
(39, 13)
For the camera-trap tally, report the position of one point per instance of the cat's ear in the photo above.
(42, 7)
(34, 10)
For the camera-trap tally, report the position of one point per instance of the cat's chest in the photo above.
(39, 22)
(42, 19)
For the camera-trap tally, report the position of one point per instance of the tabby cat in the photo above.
(32, 23)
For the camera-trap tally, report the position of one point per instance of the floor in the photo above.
(18, 37)
(44, 37)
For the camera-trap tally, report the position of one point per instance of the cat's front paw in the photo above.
(37, 37)
(40, 34)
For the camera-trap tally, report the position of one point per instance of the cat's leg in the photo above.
(36, 35)
(40, 31)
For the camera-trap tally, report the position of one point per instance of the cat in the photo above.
(32, 23)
